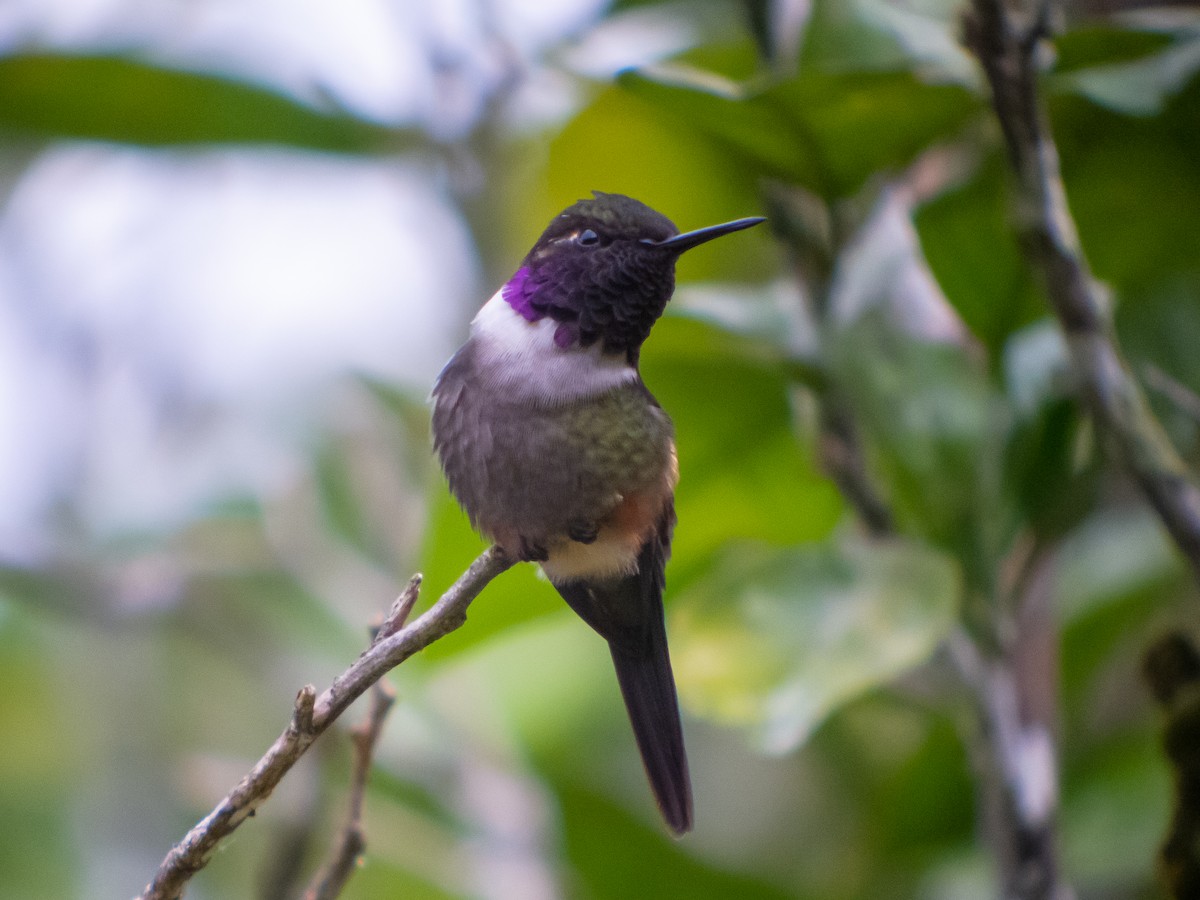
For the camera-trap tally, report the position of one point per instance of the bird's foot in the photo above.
(531, 552)
(583, 532)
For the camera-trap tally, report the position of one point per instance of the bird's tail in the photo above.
(644, 673)
(627, 611)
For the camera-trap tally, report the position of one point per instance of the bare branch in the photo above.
(1014, 690)
(1178, 394)
(313, 714)
(285, 867)
(1007, 53)
(842, 455)
(333, 875)
(351, 842)
(1172, 668)
(402, 608)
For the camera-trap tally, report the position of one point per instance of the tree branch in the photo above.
(351, 841)
(1014, 690)
(1007, 659)
(335, 873)
(1179, 395)
(1172, 668)
(1047, 232)
(313, 714)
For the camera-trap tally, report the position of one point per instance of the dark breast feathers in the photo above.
(536, 470)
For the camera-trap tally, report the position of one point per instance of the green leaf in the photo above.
(970, 247)
(1049, 471)
(1103, 44)
(926, 412)
(826, 131)
(884, 35)
(115, 98)
(743, 474)
(1134, 188)
(1132, 70)
(776, 639)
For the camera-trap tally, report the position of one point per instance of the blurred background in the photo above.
(239, 239)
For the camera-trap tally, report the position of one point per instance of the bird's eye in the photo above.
(588, 238)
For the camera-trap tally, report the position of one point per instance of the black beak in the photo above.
(690, 239)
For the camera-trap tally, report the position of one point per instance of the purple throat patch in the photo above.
(518, 293)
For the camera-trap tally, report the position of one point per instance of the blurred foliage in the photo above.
(811, 627)
(817, 129)
(827, 734)
(119, 99)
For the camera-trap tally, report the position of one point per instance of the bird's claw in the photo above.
(583, 532)
(531, 552)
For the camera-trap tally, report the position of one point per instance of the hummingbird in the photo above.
(559, 454)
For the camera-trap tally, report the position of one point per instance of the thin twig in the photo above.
(1048, 235)
(285, 862)
(1006, 659)
(1172, 668)
(843, 457)
(311, 716)
(1176, 392)
(352, 842)
(402, 608)
(1013, 689)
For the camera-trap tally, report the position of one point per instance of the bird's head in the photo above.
(604, 270)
